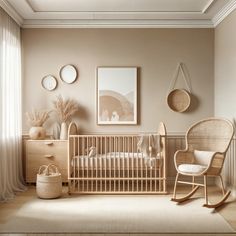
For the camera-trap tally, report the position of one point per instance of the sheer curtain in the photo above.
(11, 179)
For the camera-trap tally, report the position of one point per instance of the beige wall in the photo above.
(225, 84)
(155, 51)
(225, 68)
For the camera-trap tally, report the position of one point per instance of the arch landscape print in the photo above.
(116, 95)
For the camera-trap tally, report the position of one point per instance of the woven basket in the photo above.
(49, 182)
(179, 100)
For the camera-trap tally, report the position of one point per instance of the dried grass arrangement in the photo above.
(65, 108)
(37, 118)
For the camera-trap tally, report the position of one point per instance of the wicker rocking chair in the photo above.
(207, 142)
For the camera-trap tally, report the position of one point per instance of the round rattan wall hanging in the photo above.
(179, 100)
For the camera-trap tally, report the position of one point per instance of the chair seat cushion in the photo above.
(191, 168)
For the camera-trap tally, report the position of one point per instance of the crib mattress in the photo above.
(116, 160)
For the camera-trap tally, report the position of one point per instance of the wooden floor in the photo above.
(228, 211)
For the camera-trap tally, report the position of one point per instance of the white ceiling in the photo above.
(118, 13)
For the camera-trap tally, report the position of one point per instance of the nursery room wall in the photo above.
(225, 83)
(156, 52)
(225, 70)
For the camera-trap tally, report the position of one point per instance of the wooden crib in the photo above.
(117, 164)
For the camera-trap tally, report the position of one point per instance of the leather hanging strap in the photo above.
(175, 77)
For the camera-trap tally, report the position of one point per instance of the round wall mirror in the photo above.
(49, 82)
(68, 74)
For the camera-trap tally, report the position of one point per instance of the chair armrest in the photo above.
(217, 160)
(183, 157)
(215, 163)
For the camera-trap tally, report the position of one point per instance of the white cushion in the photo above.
(203, 157)
(191, 168)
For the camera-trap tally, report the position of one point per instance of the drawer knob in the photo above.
(48, 156)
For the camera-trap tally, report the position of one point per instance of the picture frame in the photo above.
(116, 95)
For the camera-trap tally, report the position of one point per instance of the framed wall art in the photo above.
(116, 95)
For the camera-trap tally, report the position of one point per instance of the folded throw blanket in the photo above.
(150, 146)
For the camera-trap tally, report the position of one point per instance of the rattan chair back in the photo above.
(212, 134)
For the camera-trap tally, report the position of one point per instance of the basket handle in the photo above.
(53, 169)
(41, 169)
(175, 77)
(47, 169)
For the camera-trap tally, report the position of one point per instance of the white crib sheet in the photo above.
(123, 160)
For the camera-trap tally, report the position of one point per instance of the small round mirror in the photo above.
(49, 82)
(68, 74)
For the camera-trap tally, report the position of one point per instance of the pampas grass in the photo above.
(37, 118)
(65, 108)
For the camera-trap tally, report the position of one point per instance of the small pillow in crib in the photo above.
(92, 151)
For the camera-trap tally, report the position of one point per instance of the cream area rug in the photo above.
(109, 214)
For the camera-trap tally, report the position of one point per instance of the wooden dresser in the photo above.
(44, 152)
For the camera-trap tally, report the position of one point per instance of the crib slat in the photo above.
(100, 151)
(74, 163)
(146, 172)
(105, 152)
(100, 167)
(114, 162)
(132, 151)
(151, 161)
(129, 176)
(119, 147)
(160, 174)
(90, 166)
(87, 162)
(164, 162)
(123, 166)
(83, 165)
(76, 149)
(142, 172)
(110, 171)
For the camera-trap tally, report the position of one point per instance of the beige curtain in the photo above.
(11, 179)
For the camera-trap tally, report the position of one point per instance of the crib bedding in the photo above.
(115, 159)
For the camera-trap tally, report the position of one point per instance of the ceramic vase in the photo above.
(37, 132)
(56, 131)
(64, 131)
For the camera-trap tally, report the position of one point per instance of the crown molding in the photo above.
(11, 12)
(204, 10)
(224, 12)
(208, 6)
(117, 24)
(125, 23)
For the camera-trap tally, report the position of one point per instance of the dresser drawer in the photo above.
(44, 152)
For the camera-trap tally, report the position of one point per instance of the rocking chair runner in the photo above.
(207, 142)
